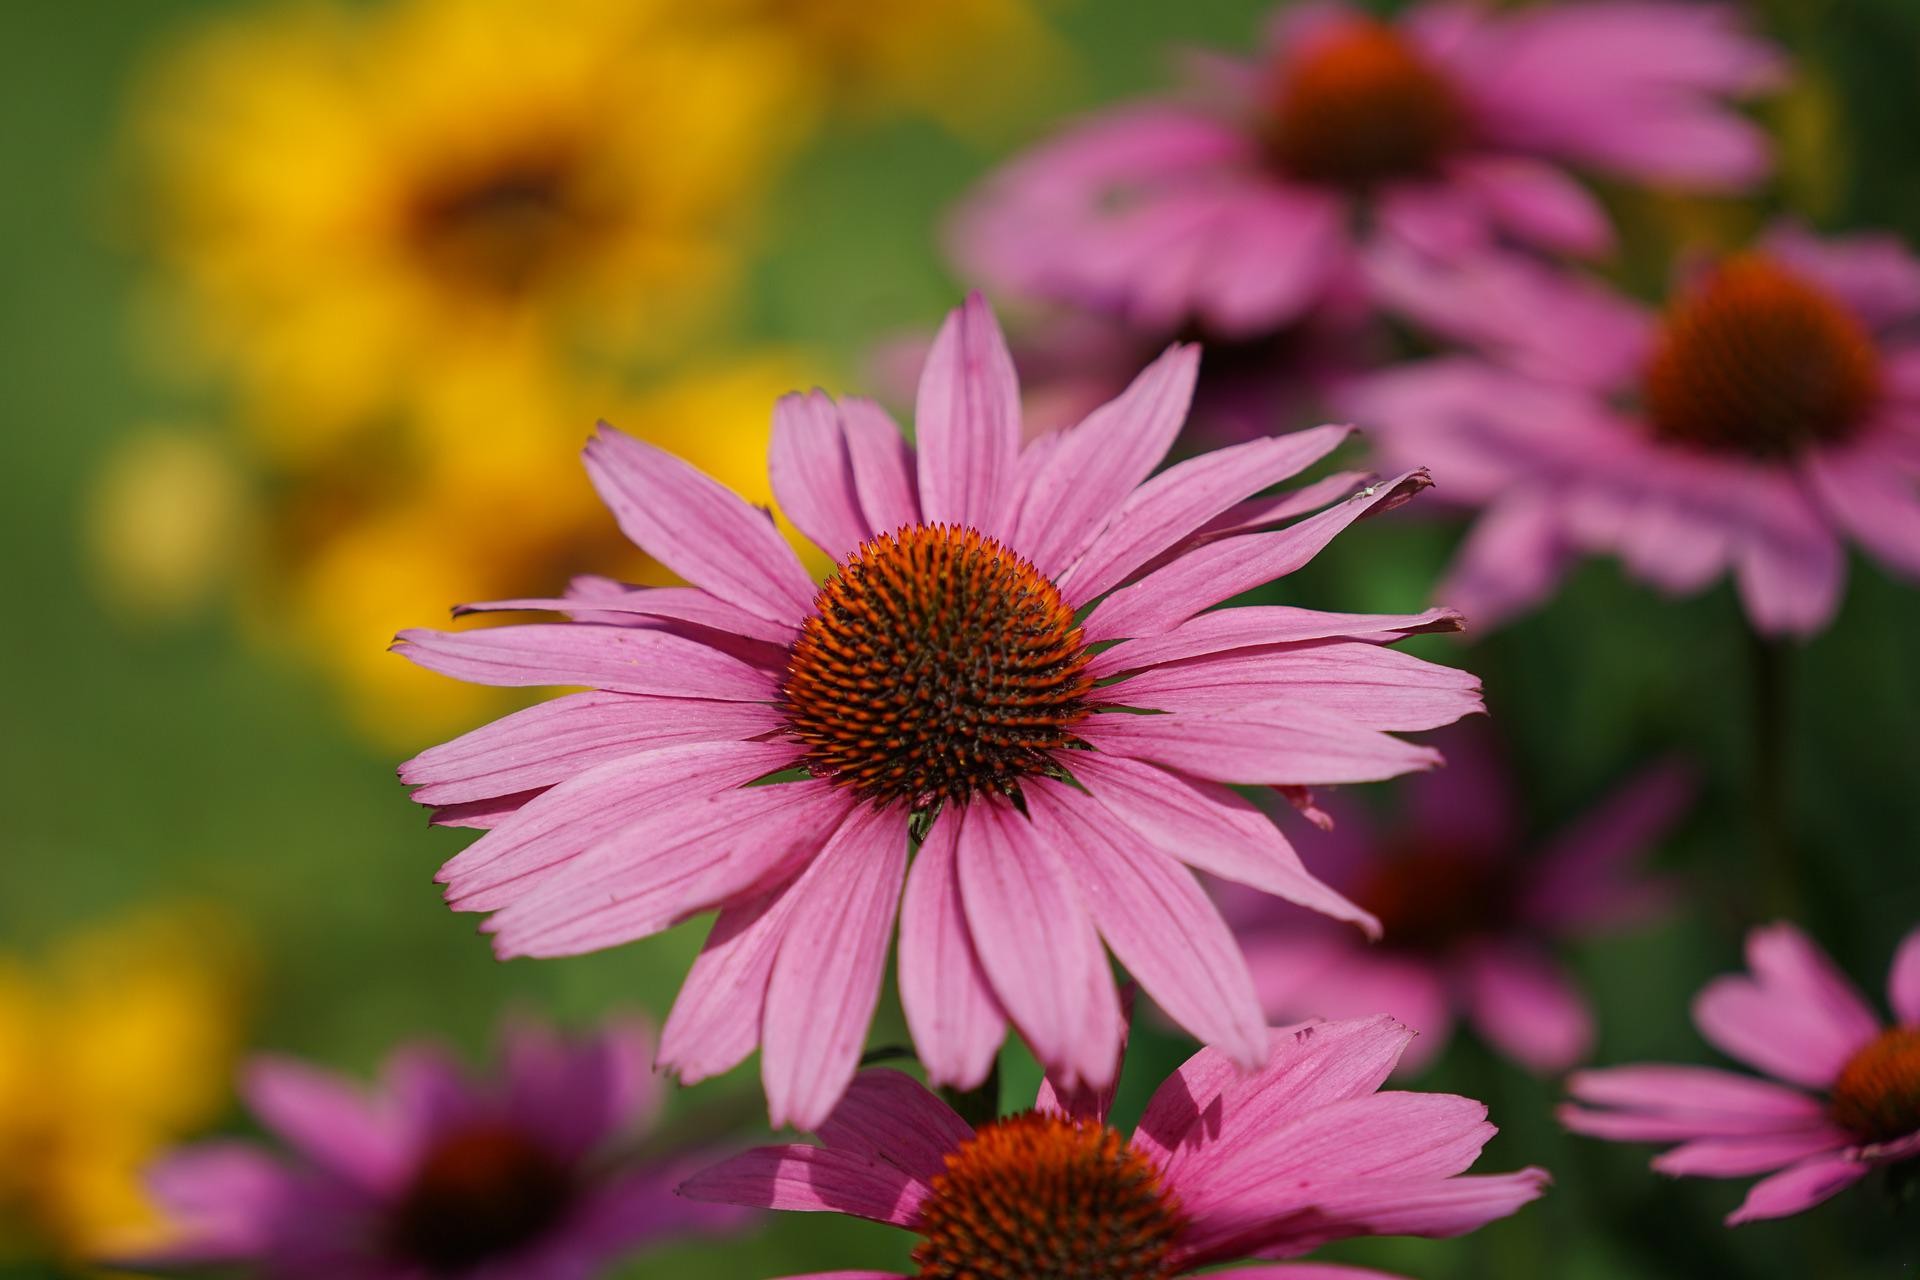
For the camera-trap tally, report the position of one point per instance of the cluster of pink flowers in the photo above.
(1022, 730)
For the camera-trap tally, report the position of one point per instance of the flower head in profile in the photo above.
(1015, 673)
(475, 178)
(1473, 911)
(433, 1173)
(1443, 132)
(1769, 415)
(1225, 1164)
(112, 1049)
(1843, 1100)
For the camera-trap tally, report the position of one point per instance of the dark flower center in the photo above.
(1041, 1197)
(500, 228)
(937, 665)
(479, 1195)
(1877, 1095)
(1362, 107)
(1758, 361)
(1431, 898)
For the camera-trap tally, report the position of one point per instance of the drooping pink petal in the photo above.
(1663, 1103)
(327, 1119)
(1743, 1156)
(1157, 919)
(621, 659)
(812, 474)
(592, 599)
(575, 1092)
(1337, 978)
(1511, 562)
(1035, 942)
(1093, 468)
(967, 420)
(698, 527)
(883, 465)
(1220, 570)
(1537, 202)
(1265, 744)
(826, 979)
(1875, 274)
(888, 1115)
(956, 1022)
(1872, 499)
(1788, 565)
(1903, 981)
(809, 1179)
(1211, 828)
(1225, 630)
(1173, 504)
(1797, 1017)
(1799, 1187)
(1370, 686)
(557, 739)
(222, 1199)
(1586, 877)
(716, 1019)
(1525, 1003)
(1435, 1209)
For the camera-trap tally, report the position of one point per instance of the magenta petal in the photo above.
(1211, 828)
(1257, 625)
(826, 979)
(883, 465)
(594, 599)
(1743, 1156)
(1903, 981)
(1370, 686)
(557, 739)
(888, 1115)
(1538, 203)
(1799, 1187)
(1174, 504)
(716, 1018)
(1874, 499)
(577, 1092)
(813, 476)
(1788, 564)
(1095, 466)
(1874, 274)
(1266, 744)
(1525, 1003)
(956, 1022)
(809, 1179)
(1436, 1209)
(1220, 570)
(967, 420)
(326, 1119)
(1036, 943)
(1158, 921)
(1797, 1017)
(698, 527)
(1512, 560)
(622, 659)
(222, 1199)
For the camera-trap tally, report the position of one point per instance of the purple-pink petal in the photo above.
(951, 1010)
(1797, 1017)
(622, 659)
(1799, 1187)
(810, 1179)
(967, 422)
(887, 1115)
(1526, 1004)
(812, 474)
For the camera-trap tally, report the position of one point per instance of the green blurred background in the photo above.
(143, 762)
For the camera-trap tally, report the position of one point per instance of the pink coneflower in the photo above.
(1771, 413)
(432, 1174)
(976, 675)
(1473, 911)
(1224, 1165)
(1850, 1101)
(1442, 131)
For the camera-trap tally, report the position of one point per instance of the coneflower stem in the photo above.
(1770, 804)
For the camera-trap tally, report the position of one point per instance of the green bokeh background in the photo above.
(137, 764)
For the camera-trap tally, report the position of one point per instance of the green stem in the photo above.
(1771, 805)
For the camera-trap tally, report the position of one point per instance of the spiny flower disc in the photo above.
(1363, 107)
(1041, 1197)
(937, 664)
(1758, 361)
(1877, 1094)
(480, 1194)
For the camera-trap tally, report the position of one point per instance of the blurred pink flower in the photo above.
(944, 685)
(1225, 1164)
(1798, 1019)
(1770, 414)
(1471, 911)
(433, 1174)
(1443, 132)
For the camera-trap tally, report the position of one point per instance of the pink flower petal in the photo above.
(698, 527)
(1744, 1156)
(812, 474)
(1875, 500)
(557, 739)
(326, 1119)
(1173, 504)
(1537, 203)
(1435, 1209)
(1788, 564)
(716, 1018)
(1664, 1103)
(1523, 1002)
(826, 980)
(883, 465)
(1903, 981)
(1875, 273)
(1309, 979)
(1158, 921)
(887, 1115)
(1798, 1188)
(1511, 562)
(1212, 829)
(1265, 744)
(1220, 570)
(577, 1092)
(967, 419)
(1257, 625)
(1797, 1017)
(222, 1200)
(1093, 468)
(1367, 685)
(956, 1022)
(621, 659)
(808, 1179)
(1036, 943)
(601, 600)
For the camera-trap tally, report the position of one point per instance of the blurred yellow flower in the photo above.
(118, 1045)
(495, 505)
(167, 520)
(357, 199)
